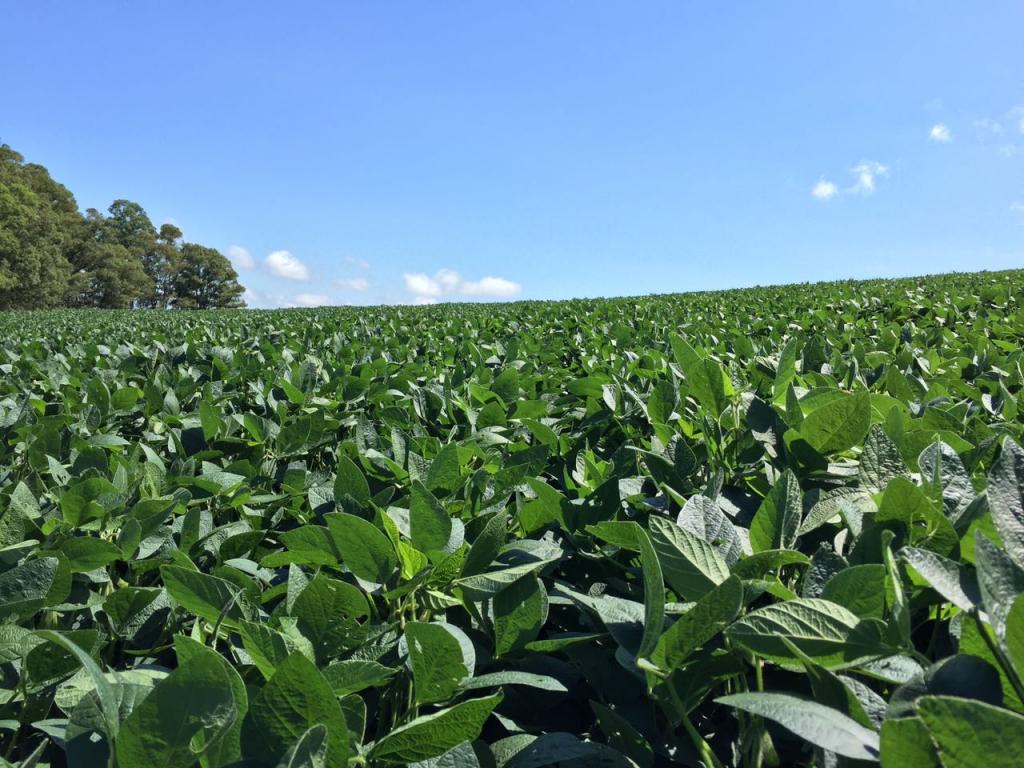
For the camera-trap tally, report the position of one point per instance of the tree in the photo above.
(52, 255)
(205, 279)
(108, 273)
(36, 219)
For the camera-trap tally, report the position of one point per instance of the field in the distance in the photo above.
(775, 526)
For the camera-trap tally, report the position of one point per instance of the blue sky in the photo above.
(413, 152)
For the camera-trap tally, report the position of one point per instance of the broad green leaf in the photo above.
(432, 735)
(350, 481)
(25, 589)
(1014, 639)
(513, 677)
(691, 566)
(820, 725)
(971, 734)
(954, 582)
(430, 524)
(487, 545)
(310, 751)
(1006, 499)
(294, 700)
(355, 675)
(519, 612)
(839, 424)
(364, 548)
(208, 597)
(435, 655)
(187, 713)
(777, 520)
(859, 588)
(702, 623)
(826, 632)
(654, 594)
(445, 471)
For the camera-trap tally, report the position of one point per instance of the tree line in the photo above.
(53, 255)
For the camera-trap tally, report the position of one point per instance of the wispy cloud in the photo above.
(362, 264)
(353, 283)
(283, 264)
(940, 134)
(427, 289)
(825, 190)
(866, 175)
(1017, 209)
(240, 257)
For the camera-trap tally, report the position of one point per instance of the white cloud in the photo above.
(940, 133)
(497, 287)
(240, 257)
(283, 264)
(311, 300)
(1017, 209)
(447, 282)
(420, 284)
(866, 174)
(353, 283)
(824, 190)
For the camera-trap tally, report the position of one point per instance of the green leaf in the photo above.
(827, 633)
(105, 692)
(654, 594)
(206, 596)
(364, 548)
(1006, 499)
(432, 735)
(905, 743)
(226, 751)
(350, 481)
(1014, 640)
(513, 677)
(85, 553)
(838, 424)
(705, 620)
(955, 583)
(429, 523)
(691, 566)
(294, 700)
(822, 726)
(519, 612)
(445, 472)
(25, 589)
(704, 376)
(487, 545)
(310, 751)
(860, 588)
(186, 714)
(484, 586)
(209, 418)
(1000, 581)
(662, 401)
(355, 675)
(777, 520)
(972, 734)
(436, 657)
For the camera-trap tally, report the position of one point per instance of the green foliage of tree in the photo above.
(52, 255)
(204, 279)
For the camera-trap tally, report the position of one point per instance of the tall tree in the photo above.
(37, 226)
(205, 279)
(109, 273)
(52, 255)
